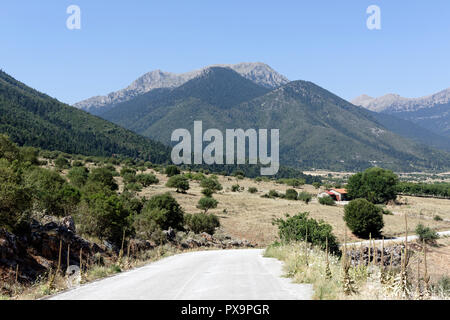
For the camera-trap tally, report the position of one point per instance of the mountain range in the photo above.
(259, 73)
(431, 112)
(317, 128)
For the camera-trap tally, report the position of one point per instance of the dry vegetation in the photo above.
(249, 216)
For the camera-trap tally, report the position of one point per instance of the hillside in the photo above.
(258, 73)
(317, 128)
(34, 119)
(431, 112)
(413, 131)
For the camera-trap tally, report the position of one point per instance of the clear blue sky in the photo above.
(326, 42)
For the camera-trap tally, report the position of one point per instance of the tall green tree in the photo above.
(376, 185)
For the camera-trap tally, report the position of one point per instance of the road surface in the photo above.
(215, 275)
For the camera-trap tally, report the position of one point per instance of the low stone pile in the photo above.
(367, 255)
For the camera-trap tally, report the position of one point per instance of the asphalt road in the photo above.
(215, 275)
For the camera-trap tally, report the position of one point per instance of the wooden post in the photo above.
(17, 272)
(68, 255)
(59, 256)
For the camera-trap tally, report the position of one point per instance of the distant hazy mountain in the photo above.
(431, 112)
(259, 73)
(32, 118)
(317, 128)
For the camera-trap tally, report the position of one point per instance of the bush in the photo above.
(211, 183)
(46, 186)
(363, 218)
(327, 201)
(133, 187)
(104, 177)
(207, 203)
(304, 196)
(146, 179)
(291, 194)
(375, 185)
(180, 182)
(316, 185)
(437, 218)
(165, 211)
(15, 199)
(207, 192)
(62, 163)
(235, 188)
(78, 176)
(295, 229)
(426, 234)
(146, 227)
(252, 190)
(201, 222)
(172, 170)
(105, 217)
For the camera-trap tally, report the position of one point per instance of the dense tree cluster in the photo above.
(440, 189)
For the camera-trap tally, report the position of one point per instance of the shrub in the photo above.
(62, 163)
(180, 182)
(172, 170)
(273, 194)
(201, 222)
(146, 179)
(297, 227)
(252, 189)
(78, 176)
(426, 234)
(69, 198)
(316, 185)
(238, 173)
(304, 196)
(207, 203)
(46, 186)
(375, 185)
(235, 188)
(165, 211)
(105, 217)
(327, 201)
(363, 218)
(293, 182)
(146, 227)
(104, 177)
(442, 287)
(15, 199)
(437, 218)
(211, 183)
(133, 187)
(207, 192)
(198, 176)
(291, 194)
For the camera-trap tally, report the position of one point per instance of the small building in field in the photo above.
(335, 194)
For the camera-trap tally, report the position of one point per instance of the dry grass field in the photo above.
(249, 216)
